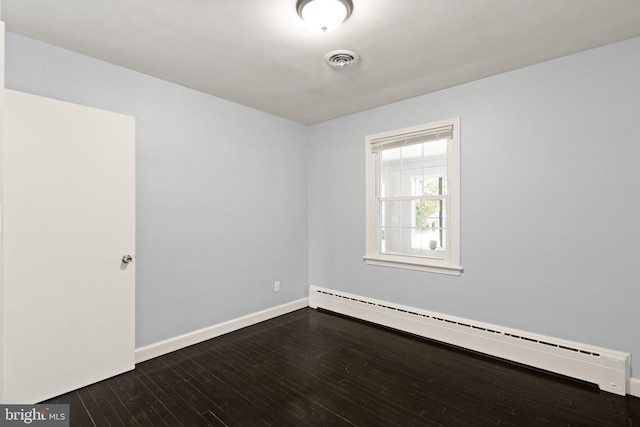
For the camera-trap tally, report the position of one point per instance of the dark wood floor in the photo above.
(315, 368)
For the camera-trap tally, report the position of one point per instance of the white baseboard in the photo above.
(634, 387)
(176, 343)
(607, 368)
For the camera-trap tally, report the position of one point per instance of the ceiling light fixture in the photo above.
(324, 15)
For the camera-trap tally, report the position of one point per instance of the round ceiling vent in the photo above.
(341, 58)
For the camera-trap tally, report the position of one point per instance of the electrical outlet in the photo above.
(276, 286)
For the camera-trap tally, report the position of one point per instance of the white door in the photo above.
(68, 211)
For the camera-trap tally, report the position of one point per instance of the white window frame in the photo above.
(450, 264)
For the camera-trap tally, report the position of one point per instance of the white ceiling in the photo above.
(260, 54)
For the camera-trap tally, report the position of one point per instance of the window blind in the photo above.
(412, 138)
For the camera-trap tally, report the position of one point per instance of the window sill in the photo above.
(418, 265)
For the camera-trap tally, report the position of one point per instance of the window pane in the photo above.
(434, 185)
(435, 149)
(396, 213)
(390, 159)
(409, 178)
(390, 214)
(390, 241)
(391, 183)
(431, 228)
(411, 153)
(428, 213)
(435, 167)
(432, 243)
(397, 241)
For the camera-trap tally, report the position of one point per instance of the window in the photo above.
(413, 198)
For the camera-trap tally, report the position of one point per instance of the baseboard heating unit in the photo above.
(609, 369)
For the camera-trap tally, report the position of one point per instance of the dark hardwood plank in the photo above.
(313, 368)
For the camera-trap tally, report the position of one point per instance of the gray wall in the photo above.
(550, 206)
(221, 190)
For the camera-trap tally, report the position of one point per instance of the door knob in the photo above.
(127, 259)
